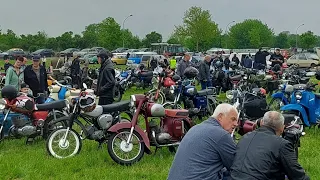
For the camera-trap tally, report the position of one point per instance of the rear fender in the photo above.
(117, 127)
(300, 109)
(280, 95)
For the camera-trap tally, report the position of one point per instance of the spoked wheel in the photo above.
(275, 104)
(161, 99)
(123, 153)
(1, 133)
(53, 124)
(60, 146)
(172, 106)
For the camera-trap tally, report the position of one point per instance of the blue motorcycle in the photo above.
(305, 104)
(281, 97)
(201, 103)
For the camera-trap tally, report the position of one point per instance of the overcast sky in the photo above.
(58, 16)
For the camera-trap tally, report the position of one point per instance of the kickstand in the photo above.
(155, 152)
(29, 140)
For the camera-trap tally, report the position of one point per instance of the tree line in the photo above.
(198, 32)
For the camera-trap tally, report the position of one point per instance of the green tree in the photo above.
(130, 40)
(152, 37)
(282, 40)
(308, 40)
(90, 35)
(198, 31)
(250, 33)
(109, 34)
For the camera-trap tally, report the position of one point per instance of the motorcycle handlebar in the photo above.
(61, 85)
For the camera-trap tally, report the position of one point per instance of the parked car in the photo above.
(68, 52)
(119, 50)
(90, 58)
(304, 60)
(82, 53)
(98, 49)
(119, 59)
(13, 53)
(43, 53)
(145, 50)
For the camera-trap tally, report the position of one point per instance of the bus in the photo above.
(168, 49)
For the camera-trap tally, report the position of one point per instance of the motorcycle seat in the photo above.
(236, 78)
(317, 95)
(146, 74)
(115, 107)
(60, 104)
(205, 92)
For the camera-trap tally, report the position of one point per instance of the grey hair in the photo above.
(224, 109)
(273, 119)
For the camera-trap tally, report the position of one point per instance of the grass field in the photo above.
(21, 161)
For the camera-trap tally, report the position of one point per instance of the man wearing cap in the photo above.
(35, 76)
(276, 58)
(106, 79)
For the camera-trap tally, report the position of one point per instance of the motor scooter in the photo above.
(305, 104)
(128, 142)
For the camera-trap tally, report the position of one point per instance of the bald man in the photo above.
(207, 149)
(264, 155)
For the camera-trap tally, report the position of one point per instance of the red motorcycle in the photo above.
(128, 142)
(162, 85)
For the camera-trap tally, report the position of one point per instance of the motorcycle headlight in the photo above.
(132, 101)
(191, 91)
(298, 95)
(172, 88)
(281, 86)
(3, 103)
(245, 77)
(229, 95)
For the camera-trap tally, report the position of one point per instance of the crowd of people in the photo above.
(33, 79)
(208, 151)
(205, 76)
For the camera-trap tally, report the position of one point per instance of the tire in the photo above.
(275, 100)
(1, 134)
(161, 97)
(313, 65)
(50, 122)
(171, 106)
(117, 96)
(114, 155)
(62, 131)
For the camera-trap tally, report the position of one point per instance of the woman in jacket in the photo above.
(14, 74)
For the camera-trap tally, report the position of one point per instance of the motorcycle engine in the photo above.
(94, 133)
(161, 136)
(105, 121)
(27, 130)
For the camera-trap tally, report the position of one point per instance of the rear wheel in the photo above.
(117, 96)
(1, 133)
(161, 99)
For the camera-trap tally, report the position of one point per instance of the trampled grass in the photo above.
(21, 161)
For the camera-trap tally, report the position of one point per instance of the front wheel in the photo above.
(60, 146)
(161, 99)
(117, 96)
(123, 153)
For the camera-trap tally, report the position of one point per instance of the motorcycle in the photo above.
(162, 85)
(305, 104)
(282, 96)
(29, 119)
(99, 119)
(126, 137)
(122, 84)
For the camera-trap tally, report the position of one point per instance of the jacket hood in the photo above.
(106, 64)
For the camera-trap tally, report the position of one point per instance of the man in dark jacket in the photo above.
(35, 76)
(263, 154)
(235, 59)
(226, 63)
(207, 149)
(6, 63)
(183, 64)
(75, 72)
(106, 79)
(276, 58)
(204, 73)
(260, 61)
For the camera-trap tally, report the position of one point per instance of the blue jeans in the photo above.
(205, 84)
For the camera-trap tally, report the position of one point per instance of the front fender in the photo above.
(300, 109)
(115, 129)
(280, 95)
